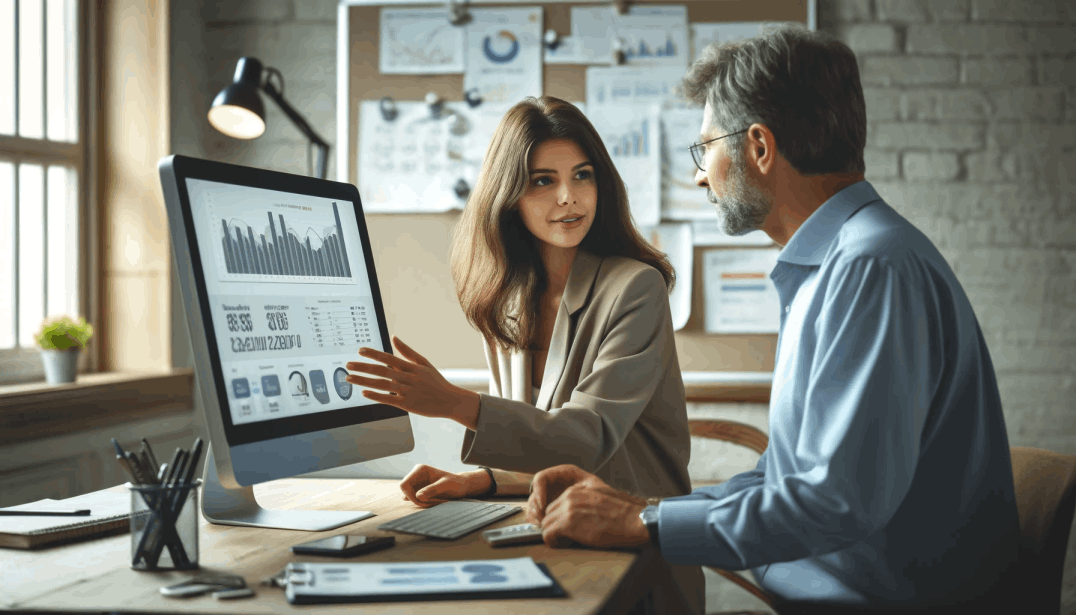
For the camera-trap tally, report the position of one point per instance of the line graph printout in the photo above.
(682, 199)
(293, 245)
(420, 42)
(633, 137)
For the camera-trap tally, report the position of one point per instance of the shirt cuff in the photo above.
(684, 531)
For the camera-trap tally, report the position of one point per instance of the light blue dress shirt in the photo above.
(887, 480)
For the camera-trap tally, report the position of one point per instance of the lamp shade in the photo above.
(238, 110)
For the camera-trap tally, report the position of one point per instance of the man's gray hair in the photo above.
(803, 85)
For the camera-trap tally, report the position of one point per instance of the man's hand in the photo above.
(574, 506)
(547, 486)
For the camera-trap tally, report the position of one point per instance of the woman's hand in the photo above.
(412, 384)
(426, 485)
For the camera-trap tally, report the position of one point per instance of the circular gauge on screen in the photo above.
(343, 387)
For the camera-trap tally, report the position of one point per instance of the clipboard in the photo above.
(307, 593)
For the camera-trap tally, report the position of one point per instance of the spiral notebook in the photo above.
(109, 514)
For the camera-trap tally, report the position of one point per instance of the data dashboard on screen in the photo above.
(289, 295)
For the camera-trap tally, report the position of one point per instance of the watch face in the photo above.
(649, 515)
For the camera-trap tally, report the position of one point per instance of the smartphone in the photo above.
(344, 545)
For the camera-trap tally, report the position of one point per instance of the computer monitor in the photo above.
(280, 291)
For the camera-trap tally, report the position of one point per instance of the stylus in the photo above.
(45, 513)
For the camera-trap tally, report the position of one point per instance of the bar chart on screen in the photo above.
(282, 244)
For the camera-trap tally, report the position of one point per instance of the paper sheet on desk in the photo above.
(102, 504)
(416, 577)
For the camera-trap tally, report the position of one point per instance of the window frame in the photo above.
(22, 364)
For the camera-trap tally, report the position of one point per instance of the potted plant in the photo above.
(60, 340)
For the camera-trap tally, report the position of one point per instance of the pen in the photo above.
(46, 513)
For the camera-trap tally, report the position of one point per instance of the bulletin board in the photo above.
(411, 250)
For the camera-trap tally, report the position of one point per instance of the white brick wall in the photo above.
(973, 138)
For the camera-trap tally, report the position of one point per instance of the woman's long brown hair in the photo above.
(495, 263)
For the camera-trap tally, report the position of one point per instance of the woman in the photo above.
(573, 304)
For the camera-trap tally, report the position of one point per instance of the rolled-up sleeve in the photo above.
(851, 453)
(604, 405)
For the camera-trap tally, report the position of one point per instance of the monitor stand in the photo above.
(237, 506)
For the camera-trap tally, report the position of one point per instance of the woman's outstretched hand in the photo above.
(426, 485)
(411, 383)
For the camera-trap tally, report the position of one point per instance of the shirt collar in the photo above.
(809, 244)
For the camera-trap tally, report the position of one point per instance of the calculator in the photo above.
(524, 533)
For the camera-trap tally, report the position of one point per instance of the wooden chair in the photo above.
(754, 439)
(1045, 500)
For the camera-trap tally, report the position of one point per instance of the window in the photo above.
(43, 200)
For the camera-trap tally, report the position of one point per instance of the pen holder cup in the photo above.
(164, 526)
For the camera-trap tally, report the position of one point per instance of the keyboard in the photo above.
(451, 520)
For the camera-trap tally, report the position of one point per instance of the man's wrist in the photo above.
(648, 517)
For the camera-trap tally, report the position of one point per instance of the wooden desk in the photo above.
(95, 575)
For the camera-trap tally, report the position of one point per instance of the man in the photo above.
(887, 482)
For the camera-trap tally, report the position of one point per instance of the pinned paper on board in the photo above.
(705, 34)
(675, 241)
(653, 35)
(682, 198)
(633, 86)
(419, 41)
(740, 296)
(504, 54)
(632, 136)
(414, 162)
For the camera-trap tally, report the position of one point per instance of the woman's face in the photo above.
(562, 195)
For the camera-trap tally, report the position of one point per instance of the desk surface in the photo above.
(95, 575)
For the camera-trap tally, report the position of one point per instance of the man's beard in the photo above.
(745, 206)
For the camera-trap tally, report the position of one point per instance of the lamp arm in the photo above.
(302, 125)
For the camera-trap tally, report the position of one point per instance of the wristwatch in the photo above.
(649, 517)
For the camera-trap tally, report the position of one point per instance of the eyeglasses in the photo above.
(697, 151)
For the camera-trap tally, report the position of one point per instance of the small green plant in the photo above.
(64, 334)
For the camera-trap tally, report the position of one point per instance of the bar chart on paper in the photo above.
(288, 246)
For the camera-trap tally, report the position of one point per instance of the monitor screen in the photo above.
(287, 297)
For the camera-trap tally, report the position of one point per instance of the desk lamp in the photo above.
(238, 111)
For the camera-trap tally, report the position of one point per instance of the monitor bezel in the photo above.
(245, 433)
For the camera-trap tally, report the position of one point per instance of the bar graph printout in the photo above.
(632, 136)
(289, 294)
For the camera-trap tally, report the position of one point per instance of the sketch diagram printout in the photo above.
(632, 136)
(682, 199)
(740, 296)
(420, 42)
(289, 295)
(411, 164)
(675, 241)
(649, 35)
(504, 54)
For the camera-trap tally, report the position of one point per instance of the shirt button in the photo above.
(787, 307)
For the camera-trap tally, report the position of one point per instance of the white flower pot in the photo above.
(61, 366)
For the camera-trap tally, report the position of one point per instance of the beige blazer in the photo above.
(611, 399)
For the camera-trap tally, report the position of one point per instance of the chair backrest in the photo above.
(730, 431)
(1045, 484)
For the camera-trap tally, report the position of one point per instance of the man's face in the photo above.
(742, 206)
